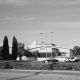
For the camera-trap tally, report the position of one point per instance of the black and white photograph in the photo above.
(39, 39)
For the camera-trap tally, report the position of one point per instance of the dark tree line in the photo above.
(5, 49)
(18, 50)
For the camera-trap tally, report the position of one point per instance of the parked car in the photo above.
(72, 59)
(51, 60)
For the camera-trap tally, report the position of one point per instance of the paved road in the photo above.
(38, 75)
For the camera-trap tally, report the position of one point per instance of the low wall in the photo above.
(42, 59)
(62, 59)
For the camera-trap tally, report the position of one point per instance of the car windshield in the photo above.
(71, 58)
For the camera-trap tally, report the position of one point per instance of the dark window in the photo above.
(43, 55)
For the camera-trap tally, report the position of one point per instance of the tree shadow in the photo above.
(25, 76)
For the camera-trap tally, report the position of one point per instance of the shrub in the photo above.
(68, 68)
(7, 66)
(36, 65)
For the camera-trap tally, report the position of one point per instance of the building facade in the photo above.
(48, 51)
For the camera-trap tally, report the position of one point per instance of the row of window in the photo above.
(48, 55)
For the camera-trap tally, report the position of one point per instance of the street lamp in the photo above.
(46, 44)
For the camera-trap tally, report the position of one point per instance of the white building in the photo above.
(41, 47)
(65, 53)
(50, 49)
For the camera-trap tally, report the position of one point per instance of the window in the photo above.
(43, 55)
(42, 48)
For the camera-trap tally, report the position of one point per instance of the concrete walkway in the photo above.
(63, 72)
(13, 74)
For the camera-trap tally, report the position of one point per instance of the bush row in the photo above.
(65, 66)
(29, 65)
(35, 65)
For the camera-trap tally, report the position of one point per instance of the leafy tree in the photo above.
(55, 52)
(27, 53)
(1, 52)
(77, 50)
(36, 54)
(14, 48)
(21, 50)
(5, 49)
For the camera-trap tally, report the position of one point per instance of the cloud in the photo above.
(65, 24)
(71, 2)
(58, 2)
(14, 2)
(39, 31)
(20, 18)
(41, 2)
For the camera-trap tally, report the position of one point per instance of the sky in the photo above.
(26, 19)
